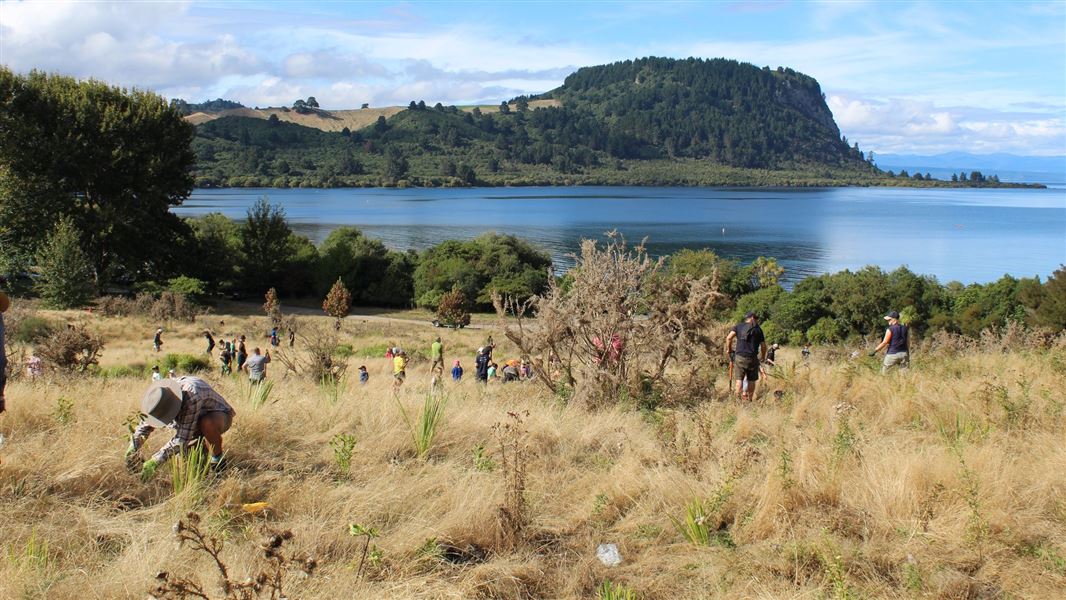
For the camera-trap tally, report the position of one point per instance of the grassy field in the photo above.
(946, 481)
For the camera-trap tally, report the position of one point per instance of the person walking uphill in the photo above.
(898, 343)
(193, 409)
(210, 341)
(436, 352)
(751, 347)
(256, 366)
(157, 341)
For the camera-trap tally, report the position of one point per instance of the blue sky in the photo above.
(906, 77)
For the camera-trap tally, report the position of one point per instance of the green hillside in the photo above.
(652, 121)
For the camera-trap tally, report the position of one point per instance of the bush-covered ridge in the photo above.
(652, 121)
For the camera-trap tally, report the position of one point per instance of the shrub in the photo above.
(622, 331)
(190, 287)
(338, 302)
(70, 348)
(30, 330)
(184, 363)
(319, 359)
(173, 306)
(272, 307)
(453, 310)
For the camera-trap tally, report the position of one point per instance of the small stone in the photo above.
(609, 555)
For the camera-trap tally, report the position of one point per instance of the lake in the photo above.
(968, 235)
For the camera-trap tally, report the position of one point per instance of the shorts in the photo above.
(437, 361)
(400, 376)
(227, 421)
(746, 367)
(899, 359)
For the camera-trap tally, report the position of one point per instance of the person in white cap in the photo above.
(191, 407)
(897, 342)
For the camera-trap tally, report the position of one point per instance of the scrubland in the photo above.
(944, 481)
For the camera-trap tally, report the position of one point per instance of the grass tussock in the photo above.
(944, 481)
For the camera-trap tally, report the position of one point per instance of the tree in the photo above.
(273, 120)
(265, 244)
(215, 252)
(374, 274)
(365, 105)
(454, 309)
(110, 160)
(338, 302)
(66, 275)
(954, 177)
(312, 102)
(522, 103)
(272, 307)
(504, 108)
(466, 174)
(962, 177)
(395, 164)
(489, 263)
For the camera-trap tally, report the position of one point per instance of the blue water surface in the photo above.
(968, 235)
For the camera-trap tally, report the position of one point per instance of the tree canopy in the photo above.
(112, 161)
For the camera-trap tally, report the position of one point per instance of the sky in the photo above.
(900, 77)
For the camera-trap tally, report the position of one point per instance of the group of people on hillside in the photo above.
(747, 351)
(198, 413)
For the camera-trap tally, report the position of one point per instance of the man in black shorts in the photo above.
(751, 347)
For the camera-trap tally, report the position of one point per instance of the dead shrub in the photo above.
(317, 356)
(168, 306)
(72, 348)
(622, 330)
(171, 306)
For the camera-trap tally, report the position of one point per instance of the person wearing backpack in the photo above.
(750, 349)
(898, 343)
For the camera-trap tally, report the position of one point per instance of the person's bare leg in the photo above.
(740, 389)
(211, 430)
(751, 389)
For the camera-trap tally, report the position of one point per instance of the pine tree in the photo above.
(66, 273)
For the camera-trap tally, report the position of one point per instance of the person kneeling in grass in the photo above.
(191, 407)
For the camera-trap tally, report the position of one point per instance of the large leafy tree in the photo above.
(112, 161)
(490, 263)
(265, 245)
(373, 273)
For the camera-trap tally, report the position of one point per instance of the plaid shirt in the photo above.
(198, 399)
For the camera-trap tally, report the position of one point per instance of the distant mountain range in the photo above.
(979, 162)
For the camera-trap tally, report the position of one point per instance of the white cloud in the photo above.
(910, 126)
(919, 76)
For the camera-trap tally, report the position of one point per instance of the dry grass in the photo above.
(336, 120)
(944, 482)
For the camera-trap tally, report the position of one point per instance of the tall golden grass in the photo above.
(947, 481)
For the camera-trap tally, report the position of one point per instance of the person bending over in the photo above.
(193, 409)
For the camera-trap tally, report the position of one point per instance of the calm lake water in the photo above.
(964, 235)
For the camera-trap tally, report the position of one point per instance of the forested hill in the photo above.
(729, 112)
(652, 121)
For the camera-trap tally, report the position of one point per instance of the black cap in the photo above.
(751, 314)
(892, 314)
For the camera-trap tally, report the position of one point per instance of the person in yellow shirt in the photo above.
(399, 367)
